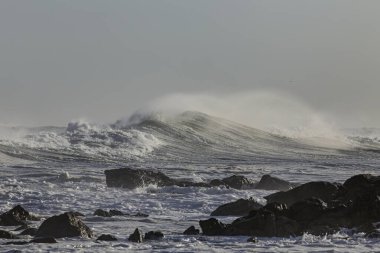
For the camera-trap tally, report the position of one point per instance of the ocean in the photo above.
(51, 170)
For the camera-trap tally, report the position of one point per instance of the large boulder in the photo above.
(323, 190)
(15, 217)
(360, 185)
(240, 207)
(271, 183)
(133, 178)
(64, 225)
(212, 227)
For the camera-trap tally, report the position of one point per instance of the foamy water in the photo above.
(54, 170)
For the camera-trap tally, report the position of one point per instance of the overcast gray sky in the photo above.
(61, 60)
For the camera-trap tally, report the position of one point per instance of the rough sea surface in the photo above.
(50, 170)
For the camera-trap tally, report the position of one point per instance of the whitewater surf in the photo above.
(51, 170)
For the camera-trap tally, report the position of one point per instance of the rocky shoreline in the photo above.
(316, 208)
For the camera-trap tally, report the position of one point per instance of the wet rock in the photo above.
(133, 178)
(7, 235)
(191, 231)
(217, 182)
(22, 227)
(276, 208)
(153, 235)
(102, 213)
(114, 212)
(16, 243)
(307, 210)
(323, 190)
(29, 231)
(212, 227)
(240, 207)
(44, 240)
(237, 182)
(360, 185)
(106, 238)
(140, 215)
(16, 216)
(78, 214)
(252, 239)
(269, 182)
(137, 236)
(64, 225)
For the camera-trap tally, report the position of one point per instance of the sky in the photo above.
(103, 60)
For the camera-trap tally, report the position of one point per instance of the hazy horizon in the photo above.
(103, 60)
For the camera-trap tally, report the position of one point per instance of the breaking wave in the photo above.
(189, 137)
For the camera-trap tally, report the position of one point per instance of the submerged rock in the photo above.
(240, 207)
(191, 231)
(64, 225)
(131, 179)
(7, 235)
(271, 183)
(137, 236)
(102, 213)
(29, 231)
(153, 235)
(106, 238)
(44, 240)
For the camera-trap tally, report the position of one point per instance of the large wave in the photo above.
(189, 137)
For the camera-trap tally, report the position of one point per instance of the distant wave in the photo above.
(189, 137)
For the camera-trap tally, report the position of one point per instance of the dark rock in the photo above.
(153, 235)
(7, 235)
(22, 227)
(102, 213)
(264, 224)
(252, 239)
(217, 182)
(276, 208)
(131, 178)
(191, 184)
(106, 238)
(116, 213)
(191, 231)
(44, 240)
(323, 190)
(360, 185)
(240, 207)
(15, 217)
(268, 182)
(212, 227)
(78, 214)
(140, 215)
(136, 236)
(16, 243)
(237, 182)
(29, 231)
(307, 210)
(64, 225)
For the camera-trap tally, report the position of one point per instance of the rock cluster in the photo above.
(133, 178)
(316, 208)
